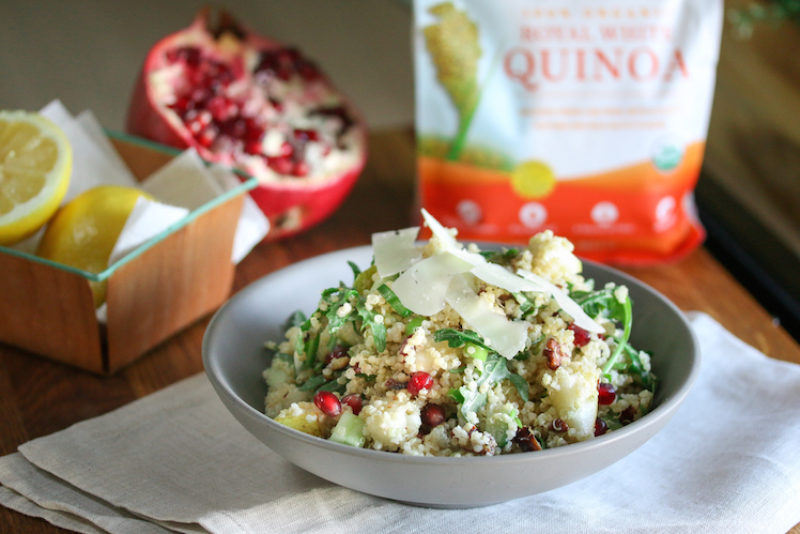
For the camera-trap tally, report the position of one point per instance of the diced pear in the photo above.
(303, 423)
(349, 430)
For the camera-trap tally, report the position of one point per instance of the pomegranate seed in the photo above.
(526, 441)
(283, 72)
(288, 55)
(336, 352)
(328, 403)
(194, 124)
(581, 336)
(279, 164)
(300, 168)
(218, 74)
(188, 54)
(235, 127)
(286, 149)
(201, 96)
(627, 415)
(253, 147)
(267, 62)
(302, 134)
(432, 415)
(252, 130)
(559, 425)
(600, 427)
(606, 394)
(354, 401)
(207, 137)
(307, 70)
(221, 108)
(419, 381)
(182, 105)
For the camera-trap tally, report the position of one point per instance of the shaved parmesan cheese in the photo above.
(569, 306)
(425, 285)
(499, 276)
(498, 332)
(395, 251)
(443, 234)
(422, 287)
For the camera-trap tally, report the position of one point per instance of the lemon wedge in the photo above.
(83, 233)
(35, 168)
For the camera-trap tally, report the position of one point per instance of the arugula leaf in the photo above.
(473, 401)
(627, 319)
(502, 256)
(393, 301)
(635, 367)
(332, 385)
(603, 302)
(368, 318)
(457, 338)
(525, 304)
(312, 383)
(456, 395)
(520, 384)
(295, 319)
(612, 420)
(413, 324)
(495, 370)
(368, 378)
(355, 268)
(310, 348)
(335, 320)
(329, 291)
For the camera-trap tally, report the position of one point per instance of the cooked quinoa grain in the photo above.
(453, 351)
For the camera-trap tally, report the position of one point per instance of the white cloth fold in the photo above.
(176, 460)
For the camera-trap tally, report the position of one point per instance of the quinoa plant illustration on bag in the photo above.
(586, 118)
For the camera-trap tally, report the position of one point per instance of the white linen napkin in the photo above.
(176, 460)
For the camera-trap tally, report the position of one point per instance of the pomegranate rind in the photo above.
(291, 204)
(291, 209)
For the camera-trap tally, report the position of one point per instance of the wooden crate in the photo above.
(49, 311)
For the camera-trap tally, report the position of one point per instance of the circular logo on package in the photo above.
(604, 213)
(533, 179)
(532, 214)
(666, 154)
(665, 216)
(469, 211)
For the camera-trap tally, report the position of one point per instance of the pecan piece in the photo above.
(554, 353)
(526, 440)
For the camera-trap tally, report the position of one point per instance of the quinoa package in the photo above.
(584, 117)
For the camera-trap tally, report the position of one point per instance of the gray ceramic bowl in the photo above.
(234, 357)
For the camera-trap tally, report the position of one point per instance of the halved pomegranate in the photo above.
(253, 104)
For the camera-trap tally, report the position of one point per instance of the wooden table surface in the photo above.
(38, 397)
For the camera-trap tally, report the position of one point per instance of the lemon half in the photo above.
(35, 168)
(83, 233)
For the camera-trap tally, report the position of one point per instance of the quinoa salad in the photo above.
(443, 349)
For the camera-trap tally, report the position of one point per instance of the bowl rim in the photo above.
(665, 409)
